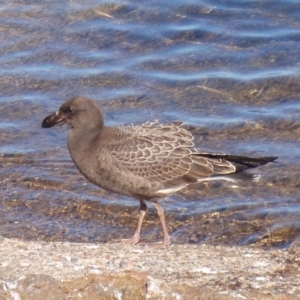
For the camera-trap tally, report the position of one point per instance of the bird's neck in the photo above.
(80, 142)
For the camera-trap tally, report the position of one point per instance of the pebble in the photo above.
(219, 266)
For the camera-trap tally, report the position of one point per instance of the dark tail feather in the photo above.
(243, 162)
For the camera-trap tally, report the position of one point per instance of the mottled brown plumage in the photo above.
(147, 161)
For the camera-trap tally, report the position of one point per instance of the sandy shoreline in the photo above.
(63, 270)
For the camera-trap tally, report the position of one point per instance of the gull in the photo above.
(147, 162)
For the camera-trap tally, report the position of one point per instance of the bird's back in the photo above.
(150, 160)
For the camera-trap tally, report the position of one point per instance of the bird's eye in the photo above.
(69, 110)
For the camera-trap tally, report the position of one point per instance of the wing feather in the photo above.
(159, 152)
(163, 153)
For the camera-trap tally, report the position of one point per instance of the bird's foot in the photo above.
(132, 241)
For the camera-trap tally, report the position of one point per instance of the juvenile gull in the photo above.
(147, 161)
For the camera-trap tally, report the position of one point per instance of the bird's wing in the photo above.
(159, 152)
(164, 153)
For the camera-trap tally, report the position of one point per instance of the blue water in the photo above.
(228, 69)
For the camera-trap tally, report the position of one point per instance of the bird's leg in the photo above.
(160, 212)
(137, 234)
(167, 240)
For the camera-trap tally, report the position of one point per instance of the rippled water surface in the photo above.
(228, 69)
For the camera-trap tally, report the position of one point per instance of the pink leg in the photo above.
(160, 212)
(137, 234)
(167, 240)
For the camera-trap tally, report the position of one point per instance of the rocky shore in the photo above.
(63, 270)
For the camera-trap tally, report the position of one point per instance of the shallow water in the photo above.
(228, 69)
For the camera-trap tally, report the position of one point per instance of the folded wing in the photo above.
(165, 153)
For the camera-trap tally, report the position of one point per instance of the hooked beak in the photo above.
(53, 119)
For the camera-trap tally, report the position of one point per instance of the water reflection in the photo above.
(228, 70)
